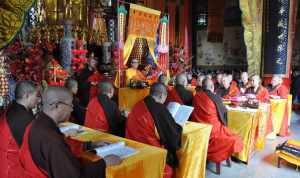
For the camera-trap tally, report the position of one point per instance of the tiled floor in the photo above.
(264, 163)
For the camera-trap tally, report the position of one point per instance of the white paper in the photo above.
(118, 148)
(65, 129)
(180, 113)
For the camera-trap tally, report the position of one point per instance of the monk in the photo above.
(13, 124)
(218, 81)
(44, 152)
(103, 113)
(200, 79)
(151, 123)
(209, 108)
(278, 89)
(244, 84)
(133, 73)
(229, 88)
(261, 92)
(88, 80)
(179, 93)
(78, 113)
(163, 79)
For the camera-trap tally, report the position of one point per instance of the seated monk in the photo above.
(218, 81)
(78, 113)
(200, 79)
(45, 153)
(278, 89)
(209, 108)
(179, 93)
(244, 84)
(163, 79)
(261, 92)
(151, 123)
(103, 113)
(133, 73)
(88, 81)
(13, 123)
(229, 88)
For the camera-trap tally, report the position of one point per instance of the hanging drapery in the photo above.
(118, 52)
(252, 13)
(185, 34)
(215, 28)
(163, 47)
(172, 13)
(143, 23)
(12, 13)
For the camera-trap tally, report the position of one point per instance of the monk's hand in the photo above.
(112, 160)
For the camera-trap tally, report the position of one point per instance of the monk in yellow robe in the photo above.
(133, 73)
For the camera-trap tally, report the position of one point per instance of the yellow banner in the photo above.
(143, 23)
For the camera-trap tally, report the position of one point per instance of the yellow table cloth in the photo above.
(193, 153)
(149, 162)
(244, 123)
(263, 118)
(128, 97)
(277, 112)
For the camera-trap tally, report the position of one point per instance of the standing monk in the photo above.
(88, 80)
(209, 108)
(179, 93)
(44, 152)
(151, 123)
(103, 113)
(13, 124)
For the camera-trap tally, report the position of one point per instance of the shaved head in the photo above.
(159, 92)
(276, 80)
(106, 88)
(24, 88)
(55, 94)
(181, 79)
(200, 80)
(57, 103)
(208, 84)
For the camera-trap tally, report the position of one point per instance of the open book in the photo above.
(118, 148)
(180, 113)
(71, 129)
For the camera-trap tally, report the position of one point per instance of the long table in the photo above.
(244, 122)
(149, 162)
(193, 153)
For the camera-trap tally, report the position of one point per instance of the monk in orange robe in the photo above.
(151, 123)
(278, 89)
(103, 113)
(133, 73)
(208, 108)
(179, 93)
(229, 88)
(245, 83)
(262, 94)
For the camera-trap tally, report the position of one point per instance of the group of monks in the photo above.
(32, 146)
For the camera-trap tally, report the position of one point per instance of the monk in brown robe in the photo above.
(45, 153)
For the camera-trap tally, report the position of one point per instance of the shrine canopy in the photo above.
(143, 23)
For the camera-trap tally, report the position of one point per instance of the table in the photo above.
(244, 122)
(264, 124)
(277, 114)
(149, 162)
(193, 153)
(128, 97)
